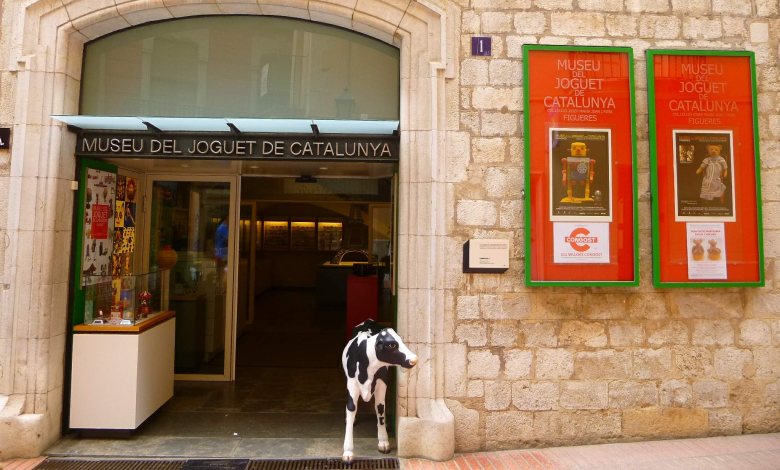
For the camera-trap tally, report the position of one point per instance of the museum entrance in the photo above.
(301, 137)
(309, 258)
(314, 256)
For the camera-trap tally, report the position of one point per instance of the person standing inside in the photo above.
(221, 248)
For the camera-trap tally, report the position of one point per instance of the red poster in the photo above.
(580, 189)
(703, 152)
(100, 213)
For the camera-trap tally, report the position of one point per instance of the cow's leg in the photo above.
(352, 401)
(379, 404)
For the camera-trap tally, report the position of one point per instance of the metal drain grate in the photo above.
(218, 464)
(325, 464)
(71, 464)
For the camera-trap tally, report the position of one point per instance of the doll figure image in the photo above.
(714, 170)
(713, 252)
(697, 251)
(577, 173)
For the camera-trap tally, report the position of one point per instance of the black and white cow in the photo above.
(366, 359)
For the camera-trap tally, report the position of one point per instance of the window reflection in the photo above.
(241, 66)
(189, 229)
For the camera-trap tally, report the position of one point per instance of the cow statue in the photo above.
(366, 359)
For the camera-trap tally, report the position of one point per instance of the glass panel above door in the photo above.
(243, 67)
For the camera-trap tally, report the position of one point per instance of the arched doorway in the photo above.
(50, 39)
(279, 341)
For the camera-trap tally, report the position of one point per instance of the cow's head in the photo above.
(392, 350)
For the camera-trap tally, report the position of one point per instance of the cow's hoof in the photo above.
(347, 457)
(384, 447)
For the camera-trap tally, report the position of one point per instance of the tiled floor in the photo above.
(288, 399)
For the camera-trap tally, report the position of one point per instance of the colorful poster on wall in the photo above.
(704, 174)
(583, 243)
(706, 251)
(580, 182)
(124, 226)
(98, 225)
(580, 174)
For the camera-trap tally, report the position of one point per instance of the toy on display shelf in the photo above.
(145, 308)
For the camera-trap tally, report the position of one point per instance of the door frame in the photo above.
(234, 182)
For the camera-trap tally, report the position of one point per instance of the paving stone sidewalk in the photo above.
(747, 452)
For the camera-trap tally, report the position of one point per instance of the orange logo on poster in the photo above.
(579, 239)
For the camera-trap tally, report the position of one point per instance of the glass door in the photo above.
(190, 234)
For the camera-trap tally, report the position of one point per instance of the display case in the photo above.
(122, 361)
(705, 169)
(276, 235)
(124, 300)
(580, 166)
(329, 235)
(120, 375)
(303, 235)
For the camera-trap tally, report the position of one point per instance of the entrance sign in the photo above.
(231, 146)
(704, 165)
(580, 155)
(486, 255)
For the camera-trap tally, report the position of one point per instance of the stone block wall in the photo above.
(554, 366)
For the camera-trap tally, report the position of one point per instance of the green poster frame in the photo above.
(624, 191)
(657, 229)
(77, 246)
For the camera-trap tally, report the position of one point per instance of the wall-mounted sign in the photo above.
(580, 153)
(704, 168)
(5, 138)
(481, 46)
(486, 255)
(244, 146)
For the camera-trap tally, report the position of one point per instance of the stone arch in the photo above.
(46, 58)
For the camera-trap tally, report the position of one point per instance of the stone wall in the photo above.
(552, 366)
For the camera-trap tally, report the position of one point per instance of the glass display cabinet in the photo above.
(329, 235)
(276, 235)
(124, 300)
(303, 235)
(123, 353)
